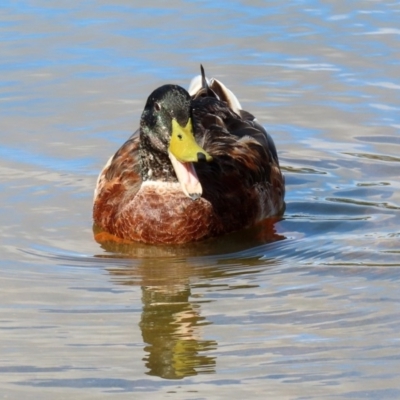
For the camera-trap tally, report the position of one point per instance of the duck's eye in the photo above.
(157, 106)
(179, 136)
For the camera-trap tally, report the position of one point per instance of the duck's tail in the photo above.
(200, 86)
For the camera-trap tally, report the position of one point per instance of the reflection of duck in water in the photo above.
(200, 167)
(171, 324)
(173, 328)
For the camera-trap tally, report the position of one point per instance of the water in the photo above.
(304, 309)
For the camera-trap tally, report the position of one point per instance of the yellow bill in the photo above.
(183, 151)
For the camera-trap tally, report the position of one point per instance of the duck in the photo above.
(198, 167)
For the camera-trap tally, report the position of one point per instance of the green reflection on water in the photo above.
(171, 327)
(171, 324)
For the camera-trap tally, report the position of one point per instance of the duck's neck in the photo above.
(155, 166)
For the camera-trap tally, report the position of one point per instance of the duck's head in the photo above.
(169, 148)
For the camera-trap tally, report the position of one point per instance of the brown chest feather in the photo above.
(160, 215)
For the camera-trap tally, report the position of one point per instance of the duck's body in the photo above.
(158, 188)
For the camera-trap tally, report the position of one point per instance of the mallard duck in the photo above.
(198, 167)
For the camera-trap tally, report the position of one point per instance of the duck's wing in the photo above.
(118, 182)
(218, 116)
(232, 139)
(245, 162)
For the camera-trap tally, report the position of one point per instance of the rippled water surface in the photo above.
(307, 308)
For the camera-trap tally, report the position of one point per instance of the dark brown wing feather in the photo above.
(243, 182)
